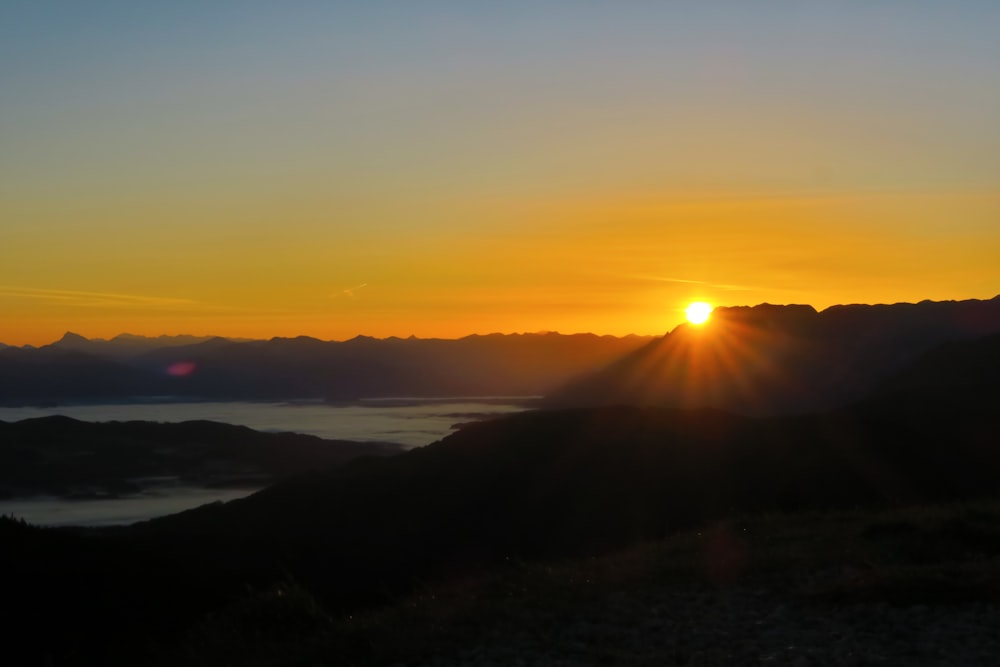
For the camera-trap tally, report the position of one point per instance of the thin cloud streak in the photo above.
(84, 298)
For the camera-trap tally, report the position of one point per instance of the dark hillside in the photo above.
(65, 457)
(965, 366)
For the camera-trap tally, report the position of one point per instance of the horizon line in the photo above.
(205, 337)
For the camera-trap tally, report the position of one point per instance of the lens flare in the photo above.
(181, 369)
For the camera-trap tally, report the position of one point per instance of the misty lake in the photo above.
(410, 422)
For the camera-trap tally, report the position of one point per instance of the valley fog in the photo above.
(409, 422)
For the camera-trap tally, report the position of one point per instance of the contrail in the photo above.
(349, 291)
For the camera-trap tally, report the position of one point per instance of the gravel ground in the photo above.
(742, 626)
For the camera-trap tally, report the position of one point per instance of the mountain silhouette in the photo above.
(74, 368)
(767, 359)
(71, 341)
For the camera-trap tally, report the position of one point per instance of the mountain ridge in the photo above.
(768, 359)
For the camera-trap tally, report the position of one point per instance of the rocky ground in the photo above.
(915, 586)
(743, 626)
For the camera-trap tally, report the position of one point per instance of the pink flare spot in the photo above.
(181, 368)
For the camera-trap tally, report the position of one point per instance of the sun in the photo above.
(698, 312)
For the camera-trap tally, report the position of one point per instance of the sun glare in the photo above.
(698, 312)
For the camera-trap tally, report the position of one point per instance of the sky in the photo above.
(332, 169)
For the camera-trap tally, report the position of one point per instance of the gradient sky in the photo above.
(446, 168)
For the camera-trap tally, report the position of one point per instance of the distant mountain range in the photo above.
(75, 368)
(768, 360)
(761, 360)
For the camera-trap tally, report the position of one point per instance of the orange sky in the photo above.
(448, 170)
